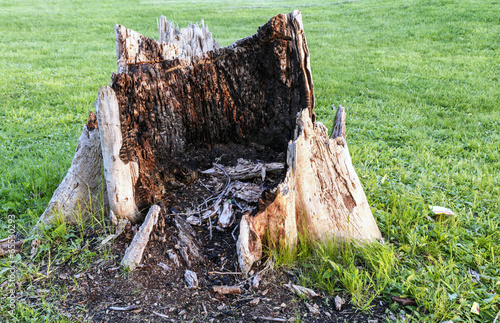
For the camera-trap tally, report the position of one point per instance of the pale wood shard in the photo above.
(133, 48)
(187, 243)
(191, 279)
(173, 257)
(249, 244)
(302, 291)
(191, 41)
(226, 218)
(80, 192)
(133, 254)
(120, 177)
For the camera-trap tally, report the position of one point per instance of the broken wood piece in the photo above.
(223, 290)
(339, 301)
(302, 291)
(245, 170)
(186, 241)
(173, 257)
(208, 213)
(81, 190)
(248, 192)
(127, 308)
(226, 218)
(256, 281)
(133, 48)
(120, 177)
(191, 279)
(313, 309)
(133, 254)
(191, 41)
(249, 244)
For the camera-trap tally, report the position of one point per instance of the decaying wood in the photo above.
(321, 196)
(191, 279)
(81, 190)
(173, 257)
(302, 291)
(246, 170)
(191, 41)
(133, 254)
(133, 48)
(223, 290)
(175, 103)
(248, 192)
(186, 241)
(226, 218)
(120, 177)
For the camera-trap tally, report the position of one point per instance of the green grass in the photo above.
(420, 80)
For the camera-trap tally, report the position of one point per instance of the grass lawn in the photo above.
(420, 83)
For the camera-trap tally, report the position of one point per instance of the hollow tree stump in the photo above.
(176, 101)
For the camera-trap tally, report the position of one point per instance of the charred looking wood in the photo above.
(249, 92)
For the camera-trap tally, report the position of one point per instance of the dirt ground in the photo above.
(159, 293)
(153, 294)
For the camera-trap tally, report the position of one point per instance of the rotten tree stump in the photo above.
(177, 105)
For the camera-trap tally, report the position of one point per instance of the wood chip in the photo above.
(314, 309)
(302, 291)
(173, 257)
(226, 218)
(256, 281)
(191, 279)
(254, 301)
(339, 301)
(223, 290)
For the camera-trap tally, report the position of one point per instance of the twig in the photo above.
(210, 222)
(440, 188)
(234, 230)
(224, 273)
(160, 315)
(199, 181)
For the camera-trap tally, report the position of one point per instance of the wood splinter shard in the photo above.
(133, 254)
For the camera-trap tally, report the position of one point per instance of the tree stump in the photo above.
(179, 105)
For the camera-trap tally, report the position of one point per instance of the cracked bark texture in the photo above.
(248, 92)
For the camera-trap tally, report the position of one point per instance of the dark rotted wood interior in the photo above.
(179, 115)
